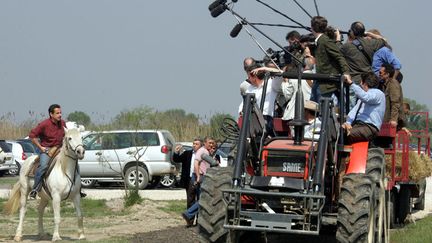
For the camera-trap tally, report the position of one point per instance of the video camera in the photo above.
(281, 58)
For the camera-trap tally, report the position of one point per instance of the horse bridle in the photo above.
(74, 150)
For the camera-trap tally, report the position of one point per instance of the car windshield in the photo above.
(120, 140)
(170, 139)
(7, 148)
(27, 147)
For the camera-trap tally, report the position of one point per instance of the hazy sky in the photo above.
(105, 56)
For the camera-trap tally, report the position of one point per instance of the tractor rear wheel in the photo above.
(356, 213)
(212, 208)
(362, 208)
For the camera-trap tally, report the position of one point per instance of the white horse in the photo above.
(62, 183)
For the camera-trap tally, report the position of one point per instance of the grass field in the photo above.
(419, 232)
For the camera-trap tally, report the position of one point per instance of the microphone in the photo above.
(216, 3)
(314, 76)
(218, 10)
(236, 30)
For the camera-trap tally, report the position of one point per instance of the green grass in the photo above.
(8, 180)
(419, 232)
(175, 206)
(131, 198)
(91, 208)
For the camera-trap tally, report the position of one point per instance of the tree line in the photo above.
(184, 126)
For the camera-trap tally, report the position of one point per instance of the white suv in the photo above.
(113, 156)
(19, 156)
(7, 160)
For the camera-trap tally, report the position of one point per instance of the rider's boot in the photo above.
(33, 194)
(82, 194)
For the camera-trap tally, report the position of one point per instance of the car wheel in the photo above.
(168, 180)
(87, 183)
(131, 176)
(15, 171)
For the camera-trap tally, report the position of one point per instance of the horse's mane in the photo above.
(62, 156)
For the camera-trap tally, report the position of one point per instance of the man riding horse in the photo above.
(46, 135)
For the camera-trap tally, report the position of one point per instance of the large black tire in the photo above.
(362, 202)
(356, 212)
(375, 167)
(88, 183)
(392, 208)
(212, 208)
(420, 203)
(404, 204)
(130, 177)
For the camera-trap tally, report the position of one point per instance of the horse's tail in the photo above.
(13, 203)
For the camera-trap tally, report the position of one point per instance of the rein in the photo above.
(68, 148)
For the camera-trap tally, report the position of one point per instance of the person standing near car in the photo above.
(200, 169)
(46, 135)
(186, 159)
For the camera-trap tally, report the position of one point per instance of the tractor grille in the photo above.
(285, 163)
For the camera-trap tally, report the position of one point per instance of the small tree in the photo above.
(215, 124)
(79, 117)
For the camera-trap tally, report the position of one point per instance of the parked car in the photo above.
(113, 156)
(8, 161)
(28, 146)
(19, 156)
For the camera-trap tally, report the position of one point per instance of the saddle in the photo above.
(52, 153)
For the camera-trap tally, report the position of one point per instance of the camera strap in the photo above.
(360, 47)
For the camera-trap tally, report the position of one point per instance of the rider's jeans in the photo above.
(43, 160)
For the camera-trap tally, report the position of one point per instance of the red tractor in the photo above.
(297, 186)
(288, 184)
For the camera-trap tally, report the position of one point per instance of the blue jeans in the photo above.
(43, 166)
(315, 92)
(192, 211)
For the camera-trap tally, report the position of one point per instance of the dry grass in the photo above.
(420, 166)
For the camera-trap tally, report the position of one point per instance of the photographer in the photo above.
(256, 76)
(329, 59)
(358, 53)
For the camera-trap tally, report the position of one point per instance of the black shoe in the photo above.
(189, 222)
(33, 194)
(82, 194)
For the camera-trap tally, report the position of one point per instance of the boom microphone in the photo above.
(218, 10)
(236, 30)
(216, 3)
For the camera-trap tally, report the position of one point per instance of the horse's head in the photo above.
(73, 142)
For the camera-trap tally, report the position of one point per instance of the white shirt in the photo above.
(310, 131)
(243, 87)
(289, 90)
(273, 88)
(192, 164)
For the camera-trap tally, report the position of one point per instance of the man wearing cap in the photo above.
(311, 130)
(365, 119)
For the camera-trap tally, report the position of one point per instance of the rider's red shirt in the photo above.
(50, 133)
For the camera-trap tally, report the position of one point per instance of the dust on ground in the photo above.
(145, 222)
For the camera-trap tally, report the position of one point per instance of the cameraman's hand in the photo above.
(265, 69)
(338, 35)
(347, 79)
(347, 127)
